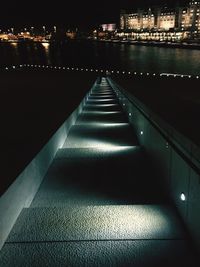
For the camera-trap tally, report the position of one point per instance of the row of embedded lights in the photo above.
(107, 71)
(130, 114)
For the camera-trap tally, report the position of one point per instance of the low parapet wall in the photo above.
(176, 157)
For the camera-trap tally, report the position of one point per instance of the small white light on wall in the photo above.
(183, 197)
(141, 132)
(130, 114)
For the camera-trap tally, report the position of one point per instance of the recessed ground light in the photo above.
(183, 197)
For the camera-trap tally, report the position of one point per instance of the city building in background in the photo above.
(162, 23)
(108, 27)
(153, 24)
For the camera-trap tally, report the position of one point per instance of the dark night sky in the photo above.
(74, 13)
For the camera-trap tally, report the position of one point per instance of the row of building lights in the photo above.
(105, 71)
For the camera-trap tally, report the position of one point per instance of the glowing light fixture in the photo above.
(141, 133)
(183, 197)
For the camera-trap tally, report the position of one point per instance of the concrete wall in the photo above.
(21, 193)
(176, 158)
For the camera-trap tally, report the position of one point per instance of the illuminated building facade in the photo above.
(163, 19)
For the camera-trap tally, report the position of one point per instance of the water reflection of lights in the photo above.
(46, 46)
(14, 44)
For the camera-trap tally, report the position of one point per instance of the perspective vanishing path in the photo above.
(100, 203)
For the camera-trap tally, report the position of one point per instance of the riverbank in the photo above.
(156, 44)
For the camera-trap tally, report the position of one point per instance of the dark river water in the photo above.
(103, 55)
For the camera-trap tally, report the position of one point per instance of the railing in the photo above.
(100, 71)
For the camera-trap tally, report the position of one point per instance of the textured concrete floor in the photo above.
(100, 203)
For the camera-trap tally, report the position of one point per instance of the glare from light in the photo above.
(141, 132)
(130, 222)
(46, 46)
(14, 44)
(183, 197)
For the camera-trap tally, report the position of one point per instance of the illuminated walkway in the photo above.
(100, 203)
